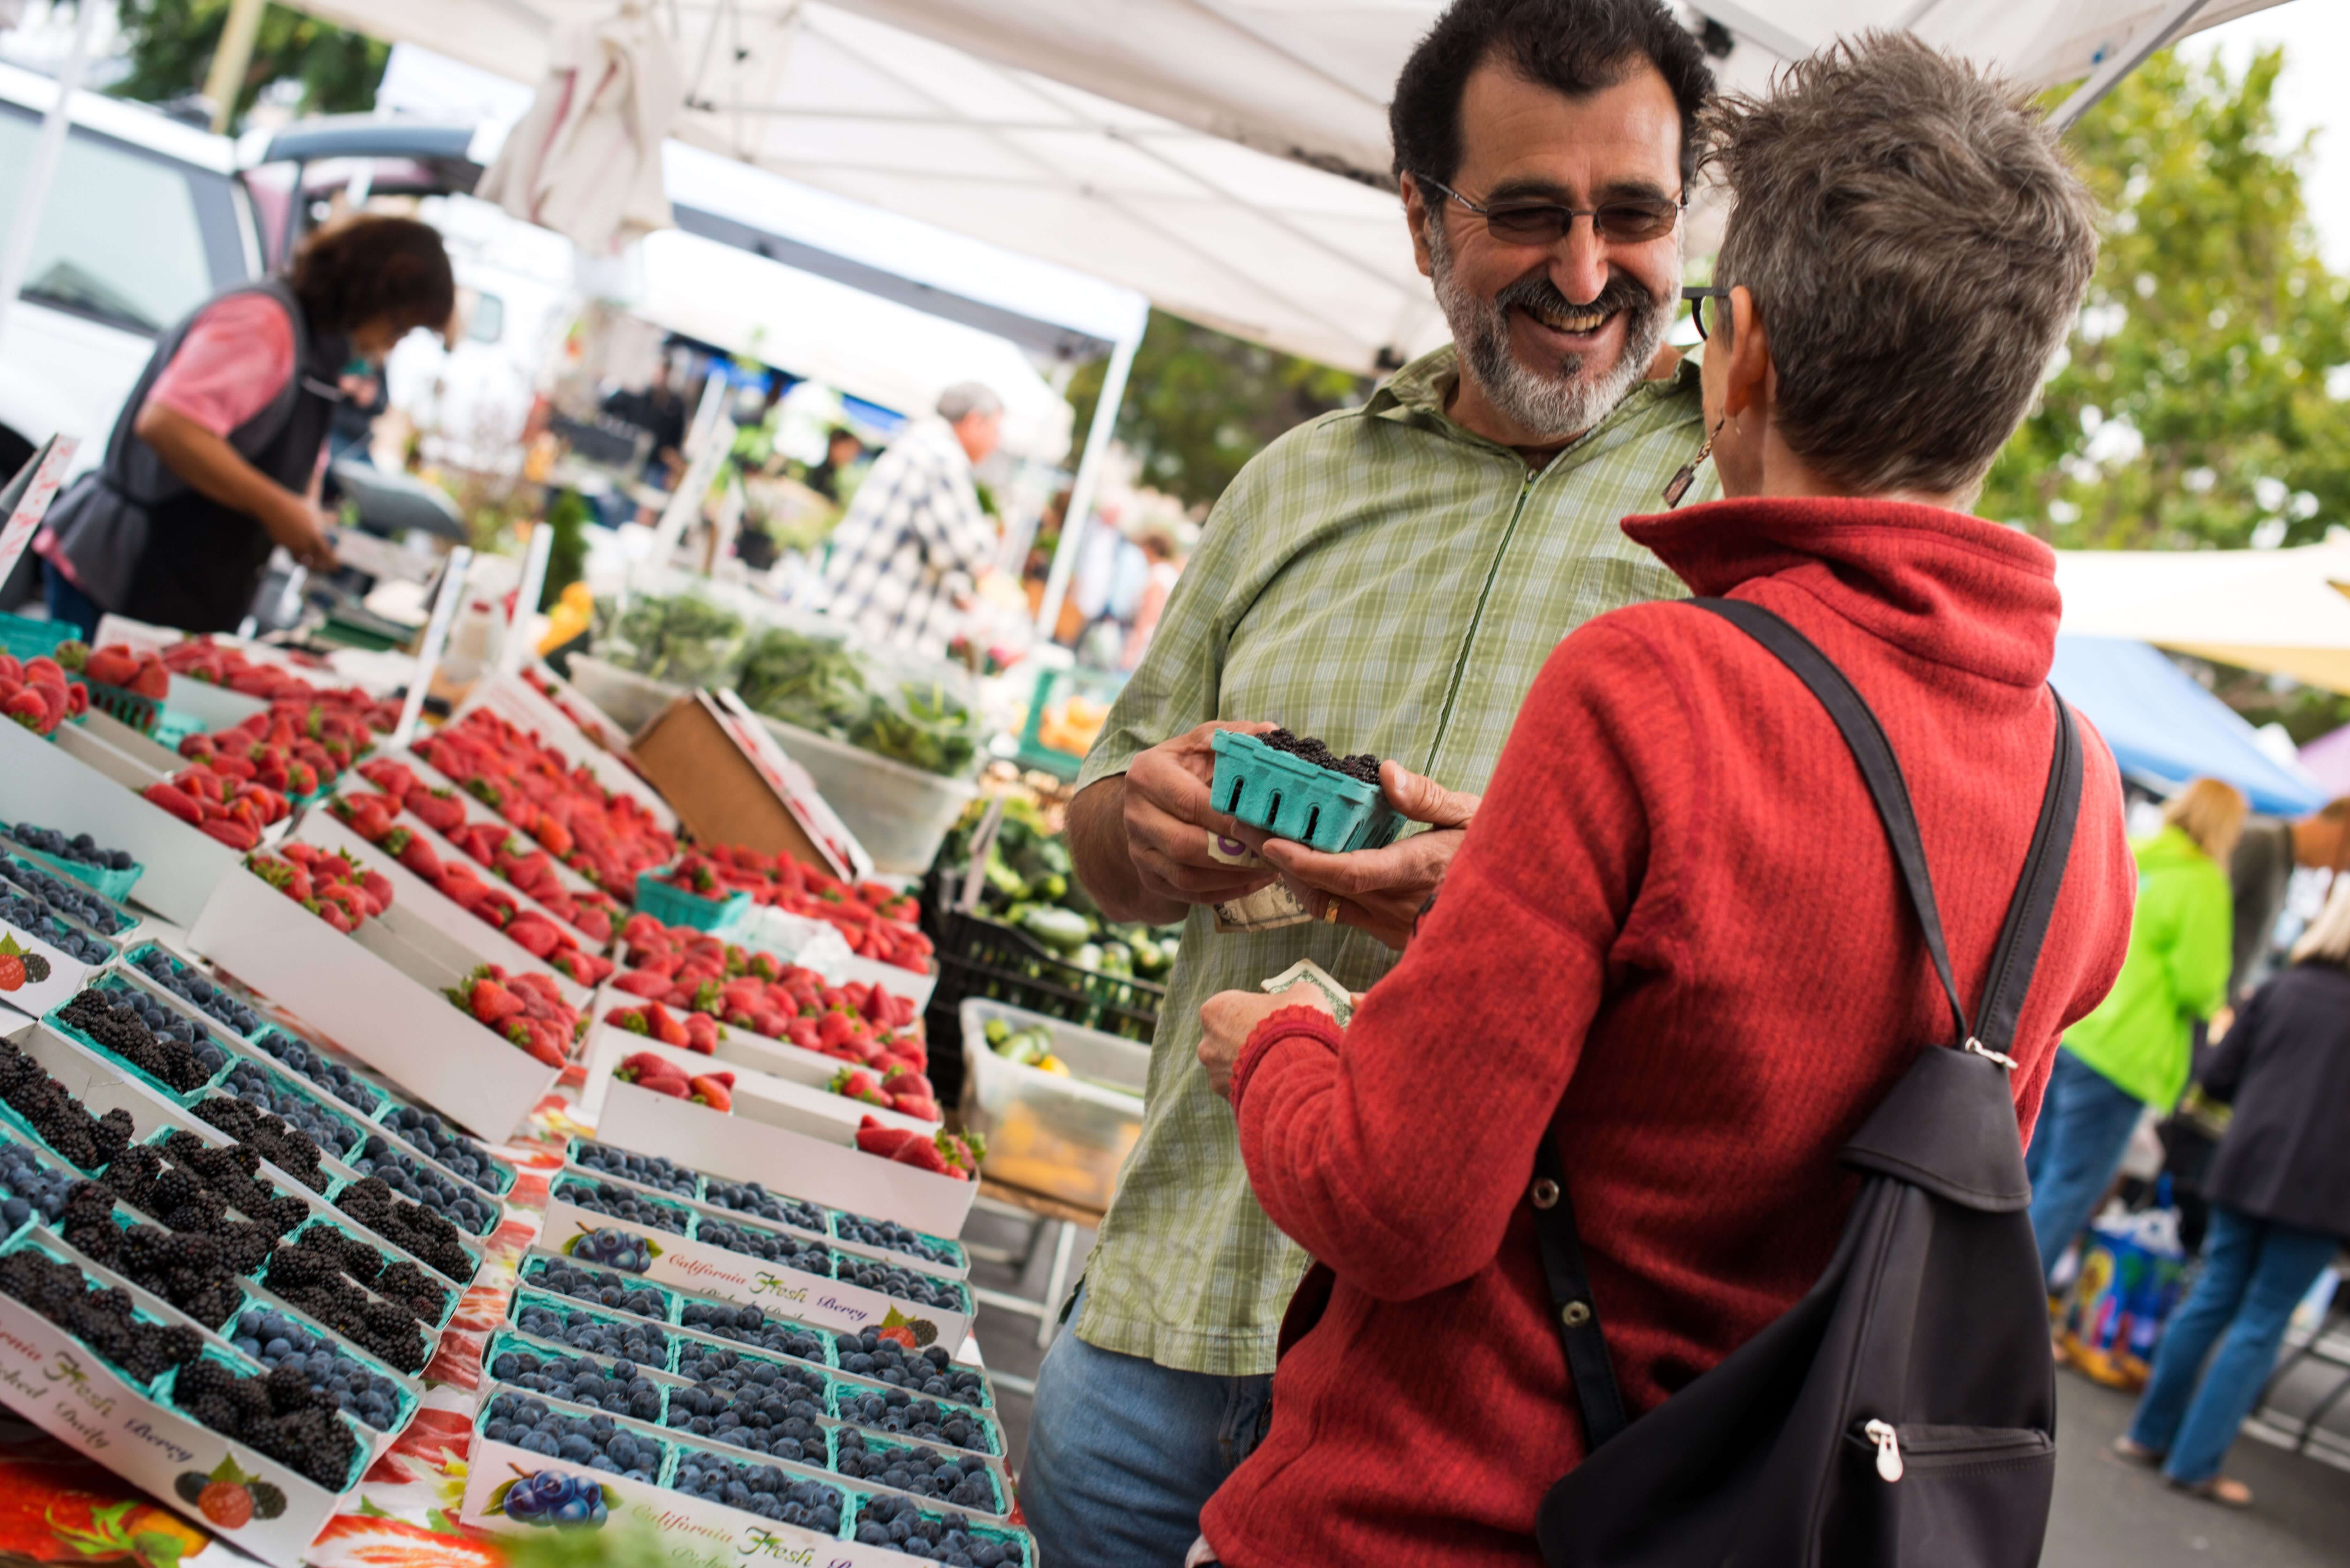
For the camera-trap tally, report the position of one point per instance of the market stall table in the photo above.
(1050, 1215)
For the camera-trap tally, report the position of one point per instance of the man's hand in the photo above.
(1170, 821)
(1380, 890)
(1230, 1017)
(301, 528)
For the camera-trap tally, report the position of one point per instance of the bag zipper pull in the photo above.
(1888, 1449)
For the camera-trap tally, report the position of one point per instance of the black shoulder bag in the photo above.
(1903, 1412)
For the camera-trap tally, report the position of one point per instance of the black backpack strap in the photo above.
(2018, 953)
(1575, 1314)
(1574, 1311)
(1879, 769)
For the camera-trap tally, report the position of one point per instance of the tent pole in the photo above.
(1080, 511)
(231, 57)
(17, 254)
(2123, 60)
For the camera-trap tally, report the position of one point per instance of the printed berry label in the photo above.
(60, 1385)
(34, 976)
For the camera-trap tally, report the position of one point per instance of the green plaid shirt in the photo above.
(1387, 580)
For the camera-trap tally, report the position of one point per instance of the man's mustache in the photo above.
(1536, 292)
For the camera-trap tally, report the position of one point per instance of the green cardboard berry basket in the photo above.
(1285, 795)
(111, 885)
(673, 905)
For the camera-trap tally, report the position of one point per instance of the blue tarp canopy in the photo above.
(2165, 729)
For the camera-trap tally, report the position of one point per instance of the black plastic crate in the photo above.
(984, 958)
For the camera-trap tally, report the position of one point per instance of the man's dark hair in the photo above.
(1576, 47)
(372, 266)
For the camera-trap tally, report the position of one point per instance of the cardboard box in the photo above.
(705, 1269)
(58, 787)
(479, 810)
(449, 853)
(371, 1008)
(731, 784)
(588, 740)
(61, 1385)
(799, 1104)
(418, 904)
(695, 1534)
(956, 1267)
(838, 1383)
(103, 1085)
(819, 1169)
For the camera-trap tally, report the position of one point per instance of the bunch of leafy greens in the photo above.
(819, 684)
(678, 638)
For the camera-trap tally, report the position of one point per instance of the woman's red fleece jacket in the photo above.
(1674, 943)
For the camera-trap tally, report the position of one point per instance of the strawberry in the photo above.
(631, 1019)
(873, 1137)
(708, 1090)
(664, 1026)
(493, 1004)
(921, 1154)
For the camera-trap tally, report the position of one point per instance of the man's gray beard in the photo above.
(1552, 407)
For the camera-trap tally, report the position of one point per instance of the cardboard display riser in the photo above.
(247, 1050)
(511, 699)
(508, 1336)
(51, 1379)
(786, 1103)
(699, 1268)
(695, 1534)
(479, 810)
(955, 1270)
(220, 1341)
(801, 1469)
(417, 903)
(819, 1169)
(736, 1047)
(412, 1035)
(44, 784)
(138, 748)
(449, 853)
(102, 1086)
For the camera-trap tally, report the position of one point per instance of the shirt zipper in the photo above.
(1477, 619)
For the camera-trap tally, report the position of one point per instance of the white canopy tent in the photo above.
(2285, 612)
(1227, 158)
(852, 341)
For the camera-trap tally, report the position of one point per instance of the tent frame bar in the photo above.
(2123, 60)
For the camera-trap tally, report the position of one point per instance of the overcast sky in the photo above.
(2314, 95)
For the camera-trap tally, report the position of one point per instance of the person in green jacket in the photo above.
(2132, 1051)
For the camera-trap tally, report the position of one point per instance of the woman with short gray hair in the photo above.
(1674, 949)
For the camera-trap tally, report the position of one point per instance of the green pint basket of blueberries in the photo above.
(1296, 787)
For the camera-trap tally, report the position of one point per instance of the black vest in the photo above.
(145, 544)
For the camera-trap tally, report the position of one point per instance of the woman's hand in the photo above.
(1230, 1017)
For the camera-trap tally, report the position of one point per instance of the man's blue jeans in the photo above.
(1123, 1453)
(2085, 1121)
(2255, 1272)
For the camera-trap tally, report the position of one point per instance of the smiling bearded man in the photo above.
(1390, 578)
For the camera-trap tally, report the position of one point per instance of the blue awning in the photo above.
(2165, 729)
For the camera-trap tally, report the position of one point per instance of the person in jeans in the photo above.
(2279, 1195)
(1389, 578)
(1674, 944)
(2133, 1051)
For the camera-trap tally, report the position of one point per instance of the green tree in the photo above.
(2191, 407)
(1199, 404)
(172, 43)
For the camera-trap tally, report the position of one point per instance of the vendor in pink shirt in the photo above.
(214, 459)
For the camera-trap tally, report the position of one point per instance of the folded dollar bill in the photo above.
(1306, 971)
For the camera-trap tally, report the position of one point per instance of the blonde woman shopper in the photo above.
(2132, 1051)
(2279, 1192)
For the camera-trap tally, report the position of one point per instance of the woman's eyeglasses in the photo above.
(1696, 298)
(1628, 221)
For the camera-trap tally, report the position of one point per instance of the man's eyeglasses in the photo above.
(1697, 299)
(1628, 221)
